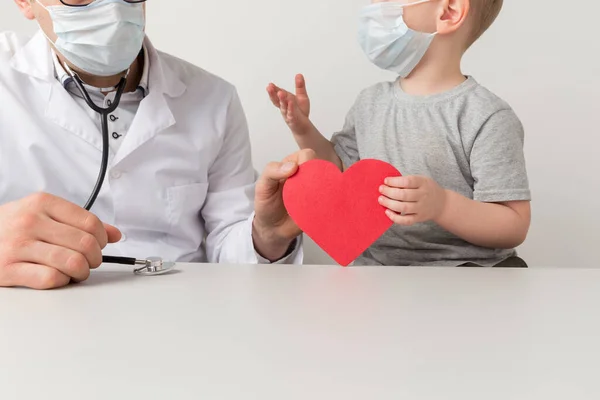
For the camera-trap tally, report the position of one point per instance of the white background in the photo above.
(542, 56)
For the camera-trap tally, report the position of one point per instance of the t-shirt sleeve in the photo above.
(344, 142)
(498, 160)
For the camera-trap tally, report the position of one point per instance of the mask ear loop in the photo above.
(396, 5)
(41, 5)
(416, 3)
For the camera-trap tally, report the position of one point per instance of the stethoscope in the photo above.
(153, 265)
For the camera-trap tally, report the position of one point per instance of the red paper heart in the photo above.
(340, 212)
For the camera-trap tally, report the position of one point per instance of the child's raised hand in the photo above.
(295, 109)
(412, 199)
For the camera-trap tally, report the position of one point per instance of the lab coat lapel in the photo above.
(154, 114)
(66, 113)
(35, 60)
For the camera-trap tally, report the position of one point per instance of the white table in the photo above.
(285, 332)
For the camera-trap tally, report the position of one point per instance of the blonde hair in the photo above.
(484, 13)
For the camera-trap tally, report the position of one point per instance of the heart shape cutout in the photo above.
(339, 211)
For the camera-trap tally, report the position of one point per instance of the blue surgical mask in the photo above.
(102, 39)
(388, 42)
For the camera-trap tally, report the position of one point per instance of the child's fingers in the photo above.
(285, 100)
(398, 206)
(301, 86)
(402, 220)
(277, 88)
(289, 107)
(291, 111)
(284, 94)
(407, 195)
(282, 97)
(405, 182)
(283, 103)
(272, 91)
(274, 88)
(294, 113)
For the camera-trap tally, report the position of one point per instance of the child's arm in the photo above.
(295, 110)
(499, 217)
(493, 225)
(415, 199)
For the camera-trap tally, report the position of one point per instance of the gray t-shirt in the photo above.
(467, 139)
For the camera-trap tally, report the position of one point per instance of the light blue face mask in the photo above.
(388, 42)
(102, 39)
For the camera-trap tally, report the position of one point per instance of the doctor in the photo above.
(180, 180)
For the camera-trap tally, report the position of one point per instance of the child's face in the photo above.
(419, 17)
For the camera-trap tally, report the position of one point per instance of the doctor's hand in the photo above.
(47, 242)
(295, 109)
(273, 229)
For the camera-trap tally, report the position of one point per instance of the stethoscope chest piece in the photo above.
(153, 266)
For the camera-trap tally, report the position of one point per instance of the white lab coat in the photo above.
(181, 185)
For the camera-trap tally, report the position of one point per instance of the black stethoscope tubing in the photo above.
(104, 113)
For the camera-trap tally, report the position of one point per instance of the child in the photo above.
(464, 199)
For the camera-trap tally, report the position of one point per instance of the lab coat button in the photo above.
(115, 174)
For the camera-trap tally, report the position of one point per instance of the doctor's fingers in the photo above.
(301, 156)
(71, 238)
(70, 214)
(274, 175)
(68, 262)
(33, 276)
(113, 233)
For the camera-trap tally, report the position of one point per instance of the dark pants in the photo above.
(513, 262)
